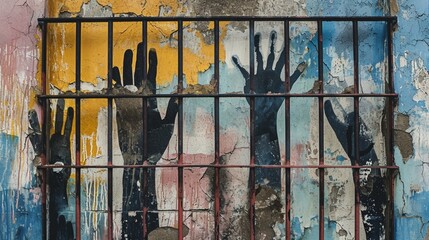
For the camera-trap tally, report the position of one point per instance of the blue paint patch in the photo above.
(20, 214)
(312, 232)
(340, 158)
(8, 147)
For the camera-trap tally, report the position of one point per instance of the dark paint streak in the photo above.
(130, 129)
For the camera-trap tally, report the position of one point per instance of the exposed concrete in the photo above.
(403, 138)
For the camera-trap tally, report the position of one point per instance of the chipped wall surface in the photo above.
(20, 199)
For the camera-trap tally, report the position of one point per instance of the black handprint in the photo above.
(58, 178)
(267, 81)
(129, 114)
(372, 191)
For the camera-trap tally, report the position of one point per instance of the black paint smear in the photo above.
(60, 154)
(139, 184)
(267, 150)
(372, 193)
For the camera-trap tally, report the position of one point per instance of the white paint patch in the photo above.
(420, 76)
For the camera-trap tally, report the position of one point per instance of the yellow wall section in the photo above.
(162, 36)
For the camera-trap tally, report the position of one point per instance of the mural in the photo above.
(21, 145)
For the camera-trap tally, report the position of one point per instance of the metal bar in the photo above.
(45, 129)
(109, 132)
(180, 130)
(356, 128)
(252, 191)
(218, 18)
(50, 166)
(321, 134)
(145, 138)
(287, 132)
(220, 95)
(216, 133)
(77, 111)
(390, 136)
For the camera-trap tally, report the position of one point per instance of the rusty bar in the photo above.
(287, 132)
(180, 131)
(77, 113)
(45, 128)
(145, 204)
(390, 136)
(252, 191)
(219, 18)
(223, 95)
(109, 132)
(49, 166)
(321, 134)
(356, 128)
(216, 133)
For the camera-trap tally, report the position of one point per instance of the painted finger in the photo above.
(172, 110)
(270, 60)
(280, 63)
(36, 136)
(140, 61)
(128, 72)
(69, 122)
(59, 116)
(243, 71)
(259, 61)
(339, 127)
(153, 65)
(116, 76)
(298, 71)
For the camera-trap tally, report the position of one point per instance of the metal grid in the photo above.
(389, 94)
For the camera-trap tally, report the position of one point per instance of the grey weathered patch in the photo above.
(403, 139)
(167, 233)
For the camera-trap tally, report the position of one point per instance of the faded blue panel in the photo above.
(8, 147)
(20, 214)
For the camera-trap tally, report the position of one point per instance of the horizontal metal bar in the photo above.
(51, 166)
(217, 18)
(221, 95)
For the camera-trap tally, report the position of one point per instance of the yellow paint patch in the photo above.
(61, 60)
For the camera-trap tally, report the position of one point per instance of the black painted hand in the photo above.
(130, 111)
(60, 154)
(267, 80)
(372, 190)
(139, 184)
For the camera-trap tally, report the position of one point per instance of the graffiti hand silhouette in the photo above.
(129, 111)
(267, 80)
(59, 154)
(139, 184)
(372, 190)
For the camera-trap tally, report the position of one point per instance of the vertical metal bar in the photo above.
(252, 191)
(321, 134)
(109, 132)
(287, 131)
(145, 119)
(77, 111)
(180, 130)
(356, 127)
(390, 136)
(216, 133)
(45, 129)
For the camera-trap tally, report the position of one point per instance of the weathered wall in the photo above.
(20, 206)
